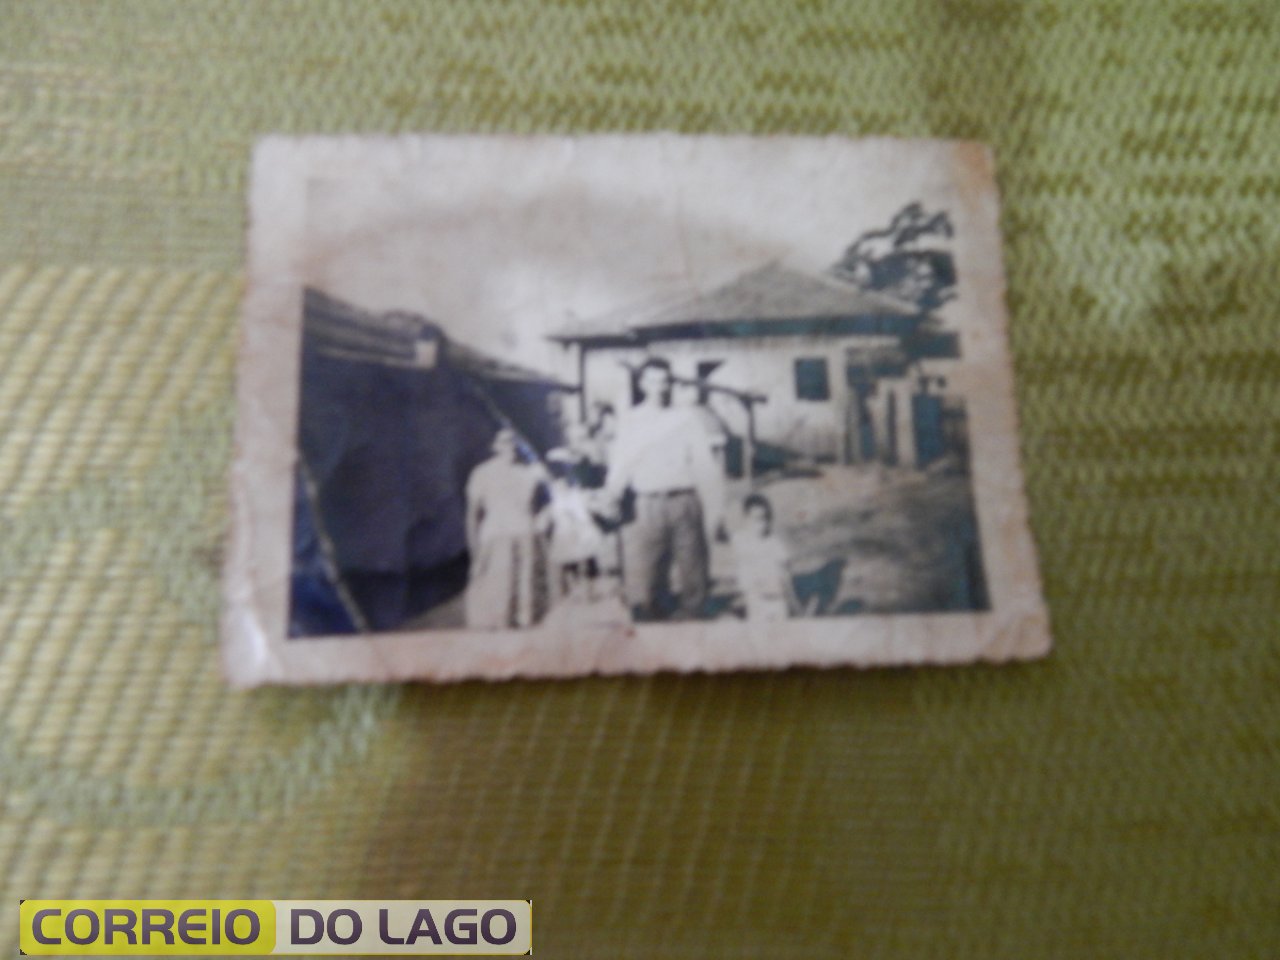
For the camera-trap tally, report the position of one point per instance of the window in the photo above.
(811, 379)
(705, 369)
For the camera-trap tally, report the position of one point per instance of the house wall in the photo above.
(606, 379)
(814, 428)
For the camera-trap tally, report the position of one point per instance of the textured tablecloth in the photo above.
(1121, 799)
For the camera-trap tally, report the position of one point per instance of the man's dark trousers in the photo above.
(666, 543)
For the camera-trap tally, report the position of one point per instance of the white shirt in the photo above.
(660, 449)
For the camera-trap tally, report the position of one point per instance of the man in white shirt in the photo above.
(662, 455)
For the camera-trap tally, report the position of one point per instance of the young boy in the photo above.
(761, 559)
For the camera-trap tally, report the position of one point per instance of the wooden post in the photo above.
(905, 424)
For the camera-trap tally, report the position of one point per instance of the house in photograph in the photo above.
(791, 366)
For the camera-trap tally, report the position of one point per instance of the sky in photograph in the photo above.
(504, 240)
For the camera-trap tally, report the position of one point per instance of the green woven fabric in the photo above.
(1121, 799)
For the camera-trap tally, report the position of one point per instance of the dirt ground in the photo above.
(879, 539)
(861, 539)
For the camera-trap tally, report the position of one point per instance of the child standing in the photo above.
(761, 560)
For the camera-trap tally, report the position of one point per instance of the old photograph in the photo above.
(533, 406)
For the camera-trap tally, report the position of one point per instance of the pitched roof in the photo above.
(775, 292)
(339, 325)
(343, 329)
(773, 299)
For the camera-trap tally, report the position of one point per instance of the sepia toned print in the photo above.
(549, 406)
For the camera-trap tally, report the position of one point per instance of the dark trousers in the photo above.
(665, 557)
